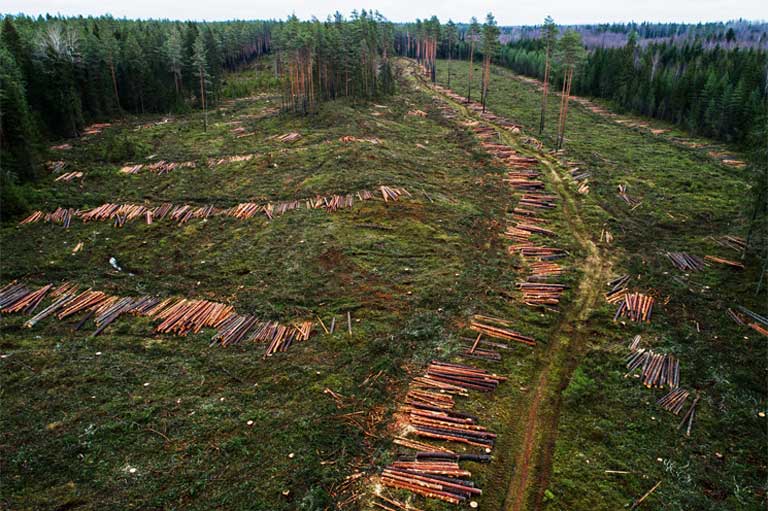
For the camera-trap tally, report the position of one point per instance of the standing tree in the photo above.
(451, 39)
(571, 53)
(490, 47)
(200, 63)
(549, 36)
(472, 33)
(173, 57)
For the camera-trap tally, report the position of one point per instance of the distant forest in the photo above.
(59, 75)
(709, 79)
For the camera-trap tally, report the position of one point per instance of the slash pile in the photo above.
(120, 214)
(433, 471)
(215, 162)
(177, 316)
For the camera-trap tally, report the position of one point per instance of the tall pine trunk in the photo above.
(201, 71)
(471, 63)
(545, 92)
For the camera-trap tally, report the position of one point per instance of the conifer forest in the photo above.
(364, 263)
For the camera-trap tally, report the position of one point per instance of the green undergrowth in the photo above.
(610, 422)
(130, 419)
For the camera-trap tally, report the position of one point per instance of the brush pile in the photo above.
(69, 176)
(686, 262)
(120, 214)
(434, 471)
(177, 316)
(635, 306)
(746, 317)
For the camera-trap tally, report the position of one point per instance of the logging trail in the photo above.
(538, 423)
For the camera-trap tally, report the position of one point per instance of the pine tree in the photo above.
(571, 53)
(490, 47)
(549, 36)
(200, 64)
(472, 33)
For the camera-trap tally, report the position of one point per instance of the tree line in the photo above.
(61, 74)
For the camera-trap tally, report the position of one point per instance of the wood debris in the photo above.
(287, 137)
(177, 316)
(635, 306)
(69, 176)
(733, 242)
(55, 166)
(61, 147)
(434, 471)
(96, 128)
(746, 317)
(120, 214)
(349, 138)
(160, 167)
(498, 329)
(674, 401)
(417, 113)
(727, 262)
(686, 262)
(215, 162)
(657, 369)
(626, 198)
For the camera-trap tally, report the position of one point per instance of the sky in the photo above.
(507, 12)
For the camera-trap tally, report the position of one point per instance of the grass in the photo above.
(609, 422)
(81, 413)
(76, 422)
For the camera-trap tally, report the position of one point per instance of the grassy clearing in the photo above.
(609, 422)
(81, 413)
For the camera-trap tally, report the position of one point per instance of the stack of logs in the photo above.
(433, 471)
(69, 176)
(120, 214)
(178, 316)
(635, 306)
(657, 370)
(160, 167)
(686, 262)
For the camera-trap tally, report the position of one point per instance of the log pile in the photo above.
(635, 306)
(746, 317)
(434, 471)
(69, 176)
(674, 401)
(176, 316)
(288, 137)
(618, 289)
(686, 262)
(727, 262)
(541, 293)
(95, 129)
(350, 138)
(120, 214)
(498, 329)
(159, 167)
(657, 370)
(215, 162)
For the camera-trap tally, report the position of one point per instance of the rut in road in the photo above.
(565, 349)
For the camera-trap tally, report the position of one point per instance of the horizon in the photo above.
(531, 14)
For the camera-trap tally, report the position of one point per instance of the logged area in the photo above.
(400, 301)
